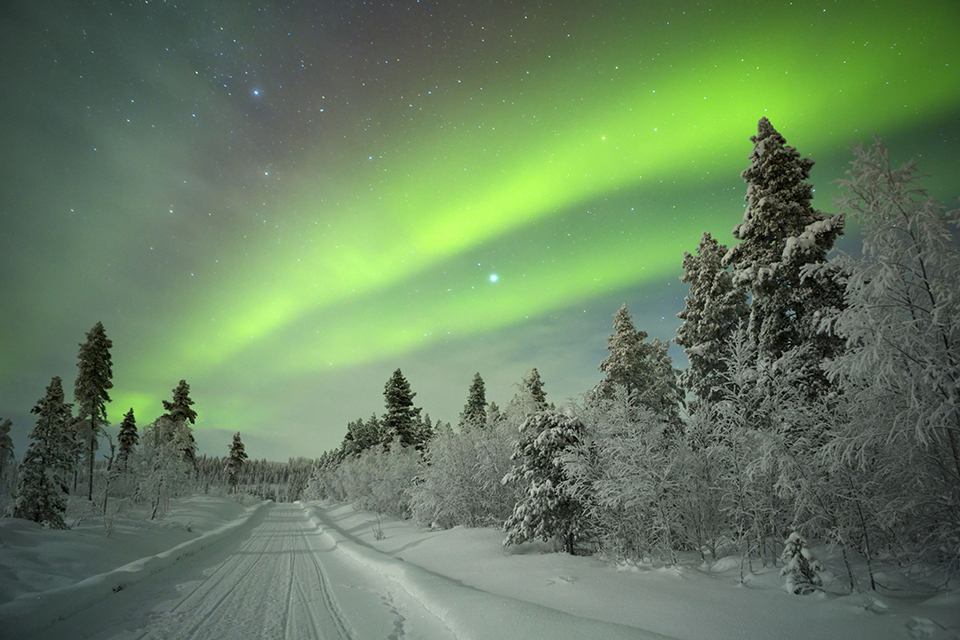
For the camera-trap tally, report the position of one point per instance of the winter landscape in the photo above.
(425, 320)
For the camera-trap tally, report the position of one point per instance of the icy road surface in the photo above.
(291, 575)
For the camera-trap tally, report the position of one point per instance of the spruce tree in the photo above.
(128, 439)
(424, 432)
(361, 436)
(48, 461)
(374, 430)
(643, 368)
(532, 386)
(180, 415)
(781, 232)
(95, 371)
(714, 308)
(801, 568)
(494, 415)
(235, 460)
(474, 413)
(548, 509)
(402, 418)
(178, 410)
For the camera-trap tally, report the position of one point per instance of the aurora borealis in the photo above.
(283, 203)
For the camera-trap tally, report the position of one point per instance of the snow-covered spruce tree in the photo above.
(474, 412)
(801, 567)
(47, 463)
(529, 399)
(781, 232)
(235, 460)
(180, 414)
(361, 436)
(424, 431)
(128, 439)
(901, 366)
(94, 380)
(494, 414)
(714, 308)
(7, 461)
(548, 510)
(401, 419)
(643, 368)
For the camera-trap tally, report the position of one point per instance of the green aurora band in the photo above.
(383, 256)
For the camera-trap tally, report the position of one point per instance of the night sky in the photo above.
(283, 203)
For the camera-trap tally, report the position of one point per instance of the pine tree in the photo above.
(714, 308)
(128, 439)
(780, 233)
(424, 432)
(48, 461)
(179, 412)
(361, 436)
(474, 413)
(494, 415)
(374, 430)
(235, 460)
(548, 509)
(401, 418)
(643, 368)
(529, 399)
(38, 497)
(532, 386)
(95, 371)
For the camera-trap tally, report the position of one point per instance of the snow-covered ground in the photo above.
(216, 568)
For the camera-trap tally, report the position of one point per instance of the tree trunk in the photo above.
(93, 442)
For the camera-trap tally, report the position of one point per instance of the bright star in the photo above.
(256, 92)
(493, 277)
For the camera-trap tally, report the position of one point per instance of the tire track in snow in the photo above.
(326, 592)
(224, 573)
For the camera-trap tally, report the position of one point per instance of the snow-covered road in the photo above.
(218, 569)
(291, 572)
(283, 579)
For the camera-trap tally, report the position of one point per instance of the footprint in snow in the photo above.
(922, 627)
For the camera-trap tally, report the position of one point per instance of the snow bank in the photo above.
(474, 614)
(35, 610)
(464, 576)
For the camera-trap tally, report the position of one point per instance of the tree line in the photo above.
(149, 466)
(822, 400)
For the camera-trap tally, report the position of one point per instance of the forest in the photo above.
(821, 403)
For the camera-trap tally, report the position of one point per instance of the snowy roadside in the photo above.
(46, 575)
(470, 613)
(482, 590)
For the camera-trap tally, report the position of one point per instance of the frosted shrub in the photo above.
(899, 371)
(630, 474)
(165, 469)
(376, 480)
(801, 567)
